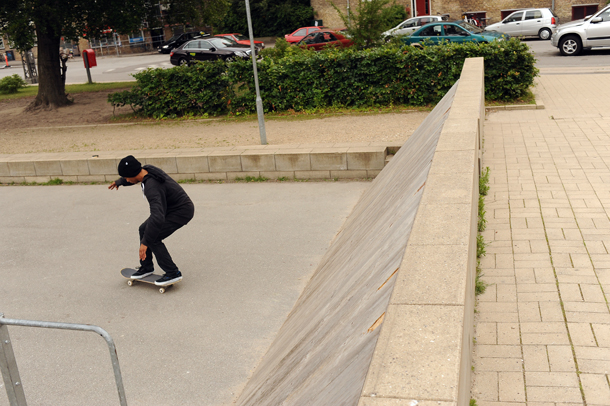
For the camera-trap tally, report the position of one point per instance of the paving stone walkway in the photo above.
(543, 325)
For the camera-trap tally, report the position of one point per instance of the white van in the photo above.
(531, 22)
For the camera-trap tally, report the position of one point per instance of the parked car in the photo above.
(410, 25)
(301, 33)
(177, 40)
(320, 39)
(344, 32)
(242, 39)
(593, 31)
(458, 31)
(538, 22)
(208, 50)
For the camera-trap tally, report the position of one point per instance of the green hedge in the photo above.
(195, 90)
(389, 75)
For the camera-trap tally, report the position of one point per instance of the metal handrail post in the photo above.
(8, 368)
(78, 327)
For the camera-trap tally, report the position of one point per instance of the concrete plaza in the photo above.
(246, 257)
(543, 325)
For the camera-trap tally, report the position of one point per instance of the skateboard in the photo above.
(127, 272)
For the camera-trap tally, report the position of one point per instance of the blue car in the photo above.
(458, 31)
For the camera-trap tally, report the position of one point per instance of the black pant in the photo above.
(158, 248)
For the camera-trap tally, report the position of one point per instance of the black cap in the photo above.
(129, 167)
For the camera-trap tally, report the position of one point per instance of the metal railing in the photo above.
(8, 363)
(115, 45)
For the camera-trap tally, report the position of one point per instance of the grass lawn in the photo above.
(32, 91)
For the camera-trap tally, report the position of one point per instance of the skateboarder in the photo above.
(170, 209)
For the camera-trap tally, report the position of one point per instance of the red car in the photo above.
(320, 39)
(242, 39)
(302, 33)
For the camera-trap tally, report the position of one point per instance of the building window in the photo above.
(581, 11)
(1, 43)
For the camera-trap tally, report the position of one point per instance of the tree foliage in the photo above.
(195, 12)
(47, 21)
(269, 17)
(370, 20)
(24, 20)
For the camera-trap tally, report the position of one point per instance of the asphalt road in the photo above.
(108, 69)
(246, 256)
(549, 57)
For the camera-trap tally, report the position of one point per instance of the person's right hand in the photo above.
(113, 185)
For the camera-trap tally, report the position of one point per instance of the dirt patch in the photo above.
(87, 125)
(88, 108)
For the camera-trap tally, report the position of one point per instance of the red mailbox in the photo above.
(89, 58)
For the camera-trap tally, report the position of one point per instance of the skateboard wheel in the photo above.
(161, 290)
(129, 283)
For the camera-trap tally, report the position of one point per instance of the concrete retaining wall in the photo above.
(331, 161)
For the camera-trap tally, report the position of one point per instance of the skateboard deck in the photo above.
(127, 272)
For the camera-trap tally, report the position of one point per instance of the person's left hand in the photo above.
(143, 249)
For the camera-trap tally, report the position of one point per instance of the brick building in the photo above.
(492, 10)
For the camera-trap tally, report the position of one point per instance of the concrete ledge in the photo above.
(361, 160)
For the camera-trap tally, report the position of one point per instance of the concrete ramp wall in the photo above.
(322, 353)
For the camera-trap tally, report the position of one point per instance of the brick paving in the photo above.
(543, 325)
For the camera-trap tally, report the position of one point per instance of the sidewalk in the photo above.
(543, 325)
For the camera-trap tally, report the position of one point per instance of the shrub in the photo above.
(394, 16)
(298, 79)
(11, 84)
(282, 49)
(370, 20)
(160, 93)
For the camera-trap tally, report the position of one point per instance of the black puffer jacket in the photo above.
(167, 200)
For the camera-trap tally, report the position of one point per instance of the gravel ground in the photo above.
(87, 125)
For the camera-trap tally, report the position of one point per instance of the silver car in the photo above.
(538, 22)
(593, 31)
(410, 25)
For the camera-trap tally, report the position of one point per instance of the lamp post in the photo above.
(259, 101)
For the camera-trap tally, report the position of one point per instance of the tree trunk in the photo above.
(51, 88)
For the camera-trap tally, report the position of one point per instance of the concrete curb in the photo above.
(316, 161)
(538, 106)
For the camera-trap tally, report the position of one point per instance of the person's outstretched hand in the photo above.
(143, 249)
